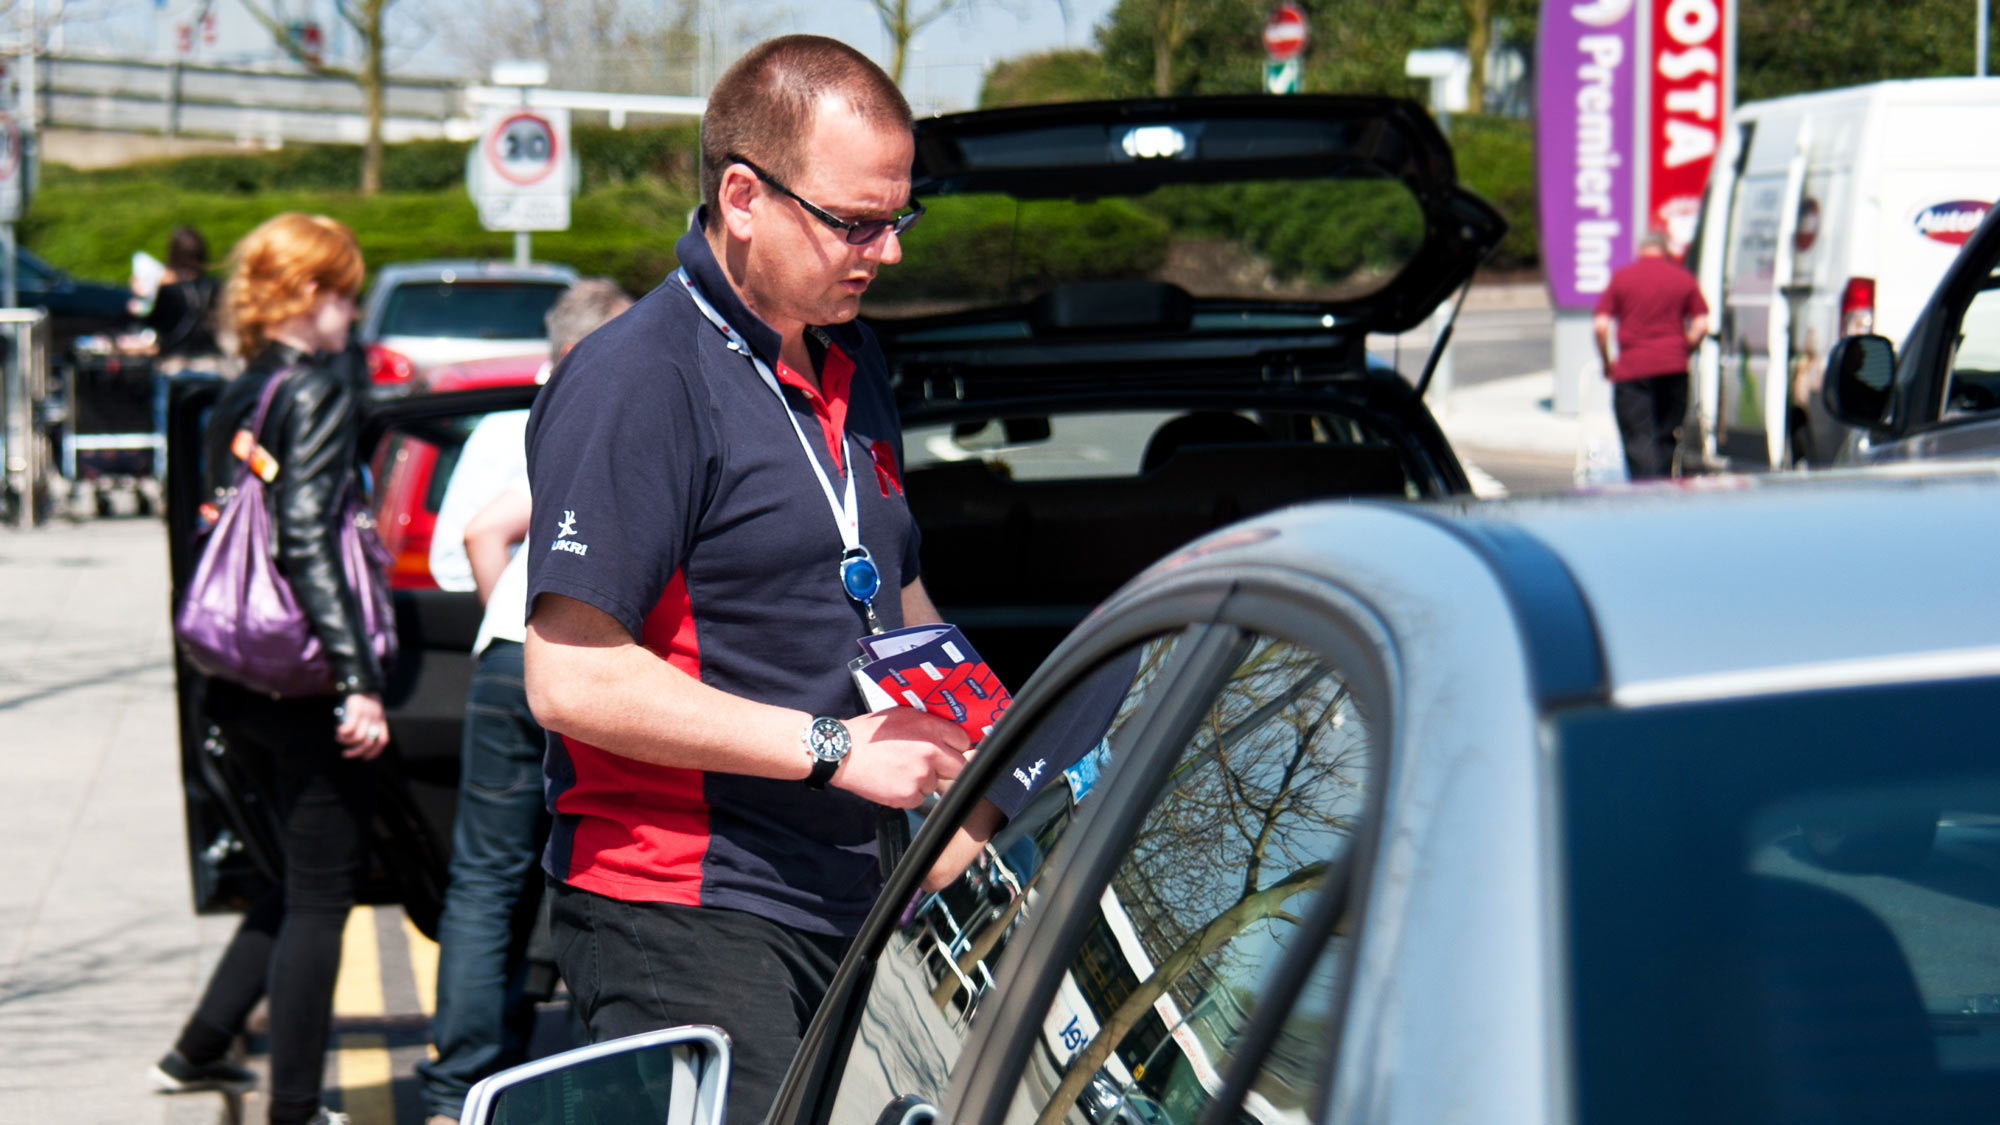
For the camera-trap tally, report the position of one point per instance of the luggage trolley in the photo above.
(114, 437)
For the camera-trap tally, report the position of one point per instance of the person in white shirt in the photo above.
(483, 1017)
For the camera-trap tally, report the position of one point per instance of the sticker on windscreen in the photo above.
(1951, 223)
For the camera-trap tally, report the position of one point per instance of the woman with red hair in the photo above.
(288, 305)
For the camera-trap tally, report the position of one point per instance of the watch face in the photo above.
(828, 740)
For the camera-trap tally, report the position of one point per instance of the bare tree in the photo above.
(371, 74)
(1263, 798)
(904, 19)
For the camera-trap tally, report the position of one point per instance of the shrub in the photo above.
(1496, 158)
(967, 248)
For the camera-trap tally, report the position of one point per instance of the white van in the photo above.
(1827, 214)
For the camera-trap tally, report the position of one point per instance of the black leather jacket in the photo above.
(311, 430)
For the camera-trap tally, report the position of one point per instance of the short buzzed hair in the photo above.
(762, 107)
(582, 310)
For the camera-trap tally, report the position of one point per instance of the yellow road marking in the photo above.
(423, 965)
(358, 991)
(362, 1068)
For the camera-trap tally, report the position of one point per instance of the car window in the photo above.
(1975, 357)
(1302, 239)
(1783, 907)
(951, 943)
(478, 310)
(1104, 444)
(1206, 900)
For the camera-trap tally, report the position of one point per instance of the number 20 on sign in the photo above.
(523, 150)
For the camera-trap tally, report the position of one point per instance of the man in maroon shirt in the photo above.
(1661, 318)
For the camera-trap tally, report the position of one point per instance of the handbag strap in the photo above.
(256, 432)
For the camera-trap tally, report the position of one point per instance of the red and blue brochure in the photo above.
(935, 668)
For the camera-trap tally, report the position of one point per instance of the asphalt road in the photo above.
(1487, 343)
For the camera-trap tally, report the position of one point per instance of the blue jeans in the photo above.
(483, 1021)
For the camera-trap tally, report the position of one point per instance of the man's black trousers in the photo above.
(639, 966)
(1649, 416)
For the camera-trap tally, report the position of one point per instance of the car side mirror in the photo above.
(1858, 377)
(677, 1076)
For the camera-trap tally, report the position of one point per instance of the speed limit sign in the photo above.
(520, 173)
(524, 148)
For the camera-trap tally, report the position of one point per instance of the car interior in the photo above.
(1017, 558)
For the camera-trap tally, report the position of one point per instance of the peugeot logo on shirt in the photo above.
(565, 529)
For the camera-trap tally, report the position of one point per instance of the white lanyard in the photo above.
(845, 512)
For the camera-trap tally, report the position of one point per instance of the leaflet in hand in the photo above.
(932, 667)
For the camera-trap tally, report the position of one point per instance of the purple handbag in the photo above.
(239, 620)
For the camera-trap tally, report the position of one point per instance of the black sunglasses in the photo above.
(858, 232)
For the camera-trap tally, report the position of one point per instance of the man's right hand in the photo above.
(901, 755)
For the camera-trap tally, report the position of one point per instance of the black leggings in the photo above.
(289, 942)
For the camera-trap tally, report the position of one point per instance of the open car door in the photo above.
(232, 847)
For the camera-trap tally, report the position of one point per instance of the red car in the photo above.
(412, 469)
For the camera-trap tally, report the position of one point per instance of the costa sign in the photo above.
(1690, 88)
(1629, 114)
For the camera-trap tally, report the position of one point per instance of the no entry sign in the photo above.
(520, 173)
(1285, 32)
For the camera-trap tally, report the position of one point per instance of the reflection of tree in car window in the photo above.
(1265, 799)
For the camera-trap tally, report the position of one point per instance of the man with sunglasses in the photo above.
(719, 516)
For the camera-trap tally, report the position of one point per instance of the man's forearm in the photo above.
(628, 701)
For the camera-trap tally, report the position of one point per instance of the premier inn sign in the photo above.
(1629, 115)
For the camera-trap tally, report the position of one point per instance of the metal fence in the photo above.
(141, 96)
(274, 107)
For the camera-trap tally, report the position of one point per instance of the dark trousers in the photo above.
(288, 945)
(639, 966)
(1649, 418)
(484, 1018)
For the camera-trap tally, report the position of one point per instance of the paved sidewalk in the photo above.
(101, 956)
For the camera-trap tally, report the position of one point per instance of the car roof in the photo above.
(1716, 587)
(469, 269)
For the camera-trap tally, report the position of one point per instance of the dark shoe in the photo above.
(173, 1074)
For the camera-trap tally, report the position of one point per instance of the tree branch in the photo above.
(282, 36)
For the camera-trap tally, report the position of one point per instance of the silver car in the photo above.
(420, 315)
(1553, 810)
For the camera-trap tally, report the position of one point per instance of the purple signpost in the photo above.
(1589, 114)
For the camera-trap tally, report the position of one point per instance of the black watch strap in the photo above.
(822, 773)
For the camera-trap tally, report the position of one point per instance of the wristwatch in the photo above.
(827, 743)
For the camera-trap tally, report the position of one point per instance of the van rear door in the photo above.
(1756, 214)
(1708, 258)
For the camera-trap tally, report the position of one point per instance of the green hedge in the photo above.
(605, 156)
(638, 186)
(1496, 158)
(91, 225)
(965, 248)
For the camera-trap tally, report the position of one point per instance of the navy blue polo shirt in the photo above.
(672, 493)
